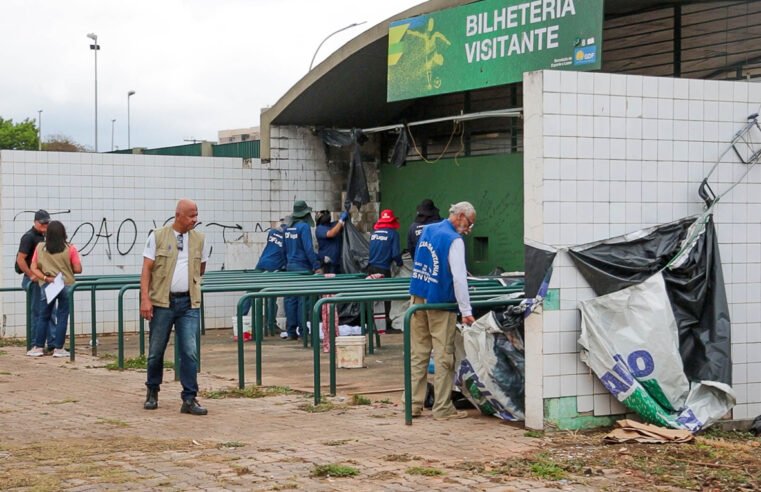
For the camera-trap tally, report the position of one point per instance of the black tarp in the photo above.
(355, 252)
(401, 149)
(357, 192)
(538, 261)
(695, 288)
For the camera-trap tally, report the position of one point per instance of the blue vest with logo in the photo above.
(273, 256)
(431, 277)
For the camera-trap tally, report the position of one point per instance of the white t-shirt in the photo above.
(180, 276)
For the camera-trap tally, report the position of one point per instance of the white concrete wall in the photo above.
(609, 154)
(86, 188)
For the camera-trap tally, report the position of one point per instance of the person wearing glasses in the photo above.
(439, 275)
(174, 260)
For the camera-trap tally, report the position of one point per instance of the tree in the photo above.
(62, 143)
(18, 136)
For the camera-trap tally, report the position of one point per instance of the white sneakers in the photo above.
(39, 352)
(36, 352)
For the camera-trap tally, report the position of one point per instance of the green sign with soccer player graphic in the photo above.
(490, 43)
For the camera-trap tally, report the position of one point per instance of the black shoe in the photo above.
(191, 406)
(293, 337)
(151, 399)
(393, 331)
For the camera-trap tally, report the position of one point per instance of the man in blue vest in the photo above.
(439, 276)
(300, 256)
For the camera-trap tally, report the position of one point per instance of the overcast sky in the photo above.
(197, 66)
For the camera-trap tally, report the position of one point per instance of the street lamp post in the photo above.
(328, 37)
(39, 129)
(129, 94)
(95, 47)
(112, 134)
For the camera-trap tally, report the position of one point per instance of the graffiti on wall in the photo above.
(121, 239)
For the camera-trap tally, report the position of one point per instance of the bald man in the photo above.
(174, 260)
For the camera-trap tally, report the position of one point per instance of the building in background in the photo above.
(238, 135)
(559, 157)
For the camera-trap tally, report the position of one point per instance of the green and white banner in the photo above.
(490, 43)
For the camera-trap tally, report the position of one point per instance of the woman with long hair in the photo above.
(54, 257)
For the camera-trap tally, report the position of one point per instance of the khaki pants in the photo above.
(432, 330)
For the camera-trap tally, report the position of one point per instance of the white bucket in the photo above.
(350, 352)
(246, 326)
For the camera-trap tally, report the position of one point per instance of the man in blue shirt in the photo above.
(300, 256)
(384, 244)
(384, 248)
(329, 241)
(439, 276)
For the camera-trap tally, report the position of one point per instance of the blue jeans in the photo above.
(25, 281)
(52, 319)
(187, 325)
(294, 317)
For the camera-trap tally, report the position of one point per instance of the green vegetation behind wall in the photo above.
(493, 184)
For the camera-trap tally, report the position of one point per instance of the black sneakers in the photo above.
(192, 407)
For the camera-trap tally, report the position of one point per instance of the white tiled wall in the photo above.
(86, 188)
(616, 153)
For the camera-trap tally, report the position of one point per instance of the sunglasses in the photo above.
(180, 242)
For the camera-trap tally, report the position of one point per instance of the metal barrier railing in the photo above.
(476, 295)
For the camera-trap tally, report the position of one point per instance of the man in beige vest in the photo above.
(174, 260)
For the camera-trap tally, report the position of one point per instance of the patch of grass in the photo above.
(425, 471)
(323, 406)
(385, 401)
(89, 462)
(547, 470)
(333, 470)
(230, 444)
(12, 342)
(247, 392)
(139, 362)
(5, 373)
(714, 433)
(533, 433)
(360, 400)
(717, 460)
(114, 422)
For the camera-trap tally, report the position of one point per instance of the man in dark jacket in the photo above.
(28, 244)
(427, 213)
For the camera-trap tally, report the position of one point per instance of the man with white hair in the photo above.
(439, 276)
